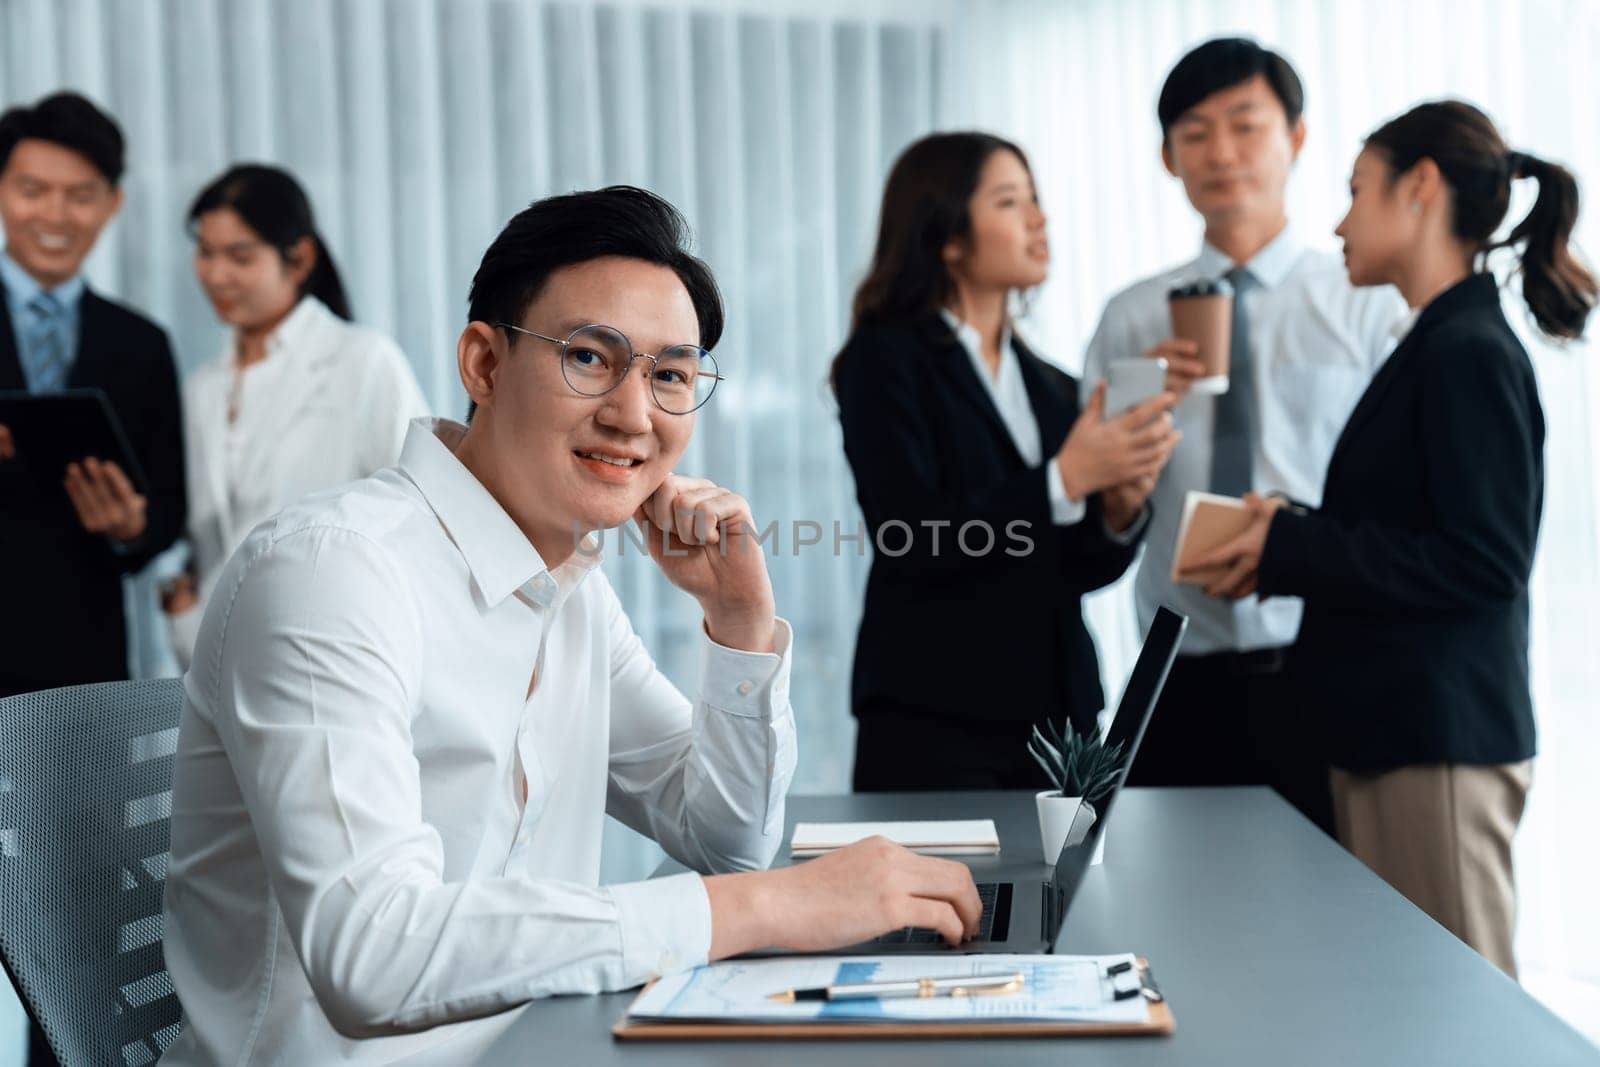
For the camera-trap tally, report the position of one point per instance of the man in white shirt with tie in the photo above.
(414, 698)
(1305, 343)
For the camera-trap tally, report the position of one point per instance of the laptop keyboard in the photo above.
(988, 893)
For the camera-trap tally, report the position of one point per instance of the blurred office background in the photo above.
(419, 126)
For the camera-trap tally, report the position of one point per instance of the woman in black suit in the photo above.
(1414, 647)
(993, 503)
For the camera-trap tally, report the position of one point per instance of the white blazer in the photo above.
(329, 404)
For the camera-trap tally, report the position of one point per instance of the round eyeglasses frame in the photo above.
(632, 355)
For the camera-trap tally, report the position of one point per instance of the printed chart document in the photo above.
(1209, 522)
(1072, 989)
(961, 837)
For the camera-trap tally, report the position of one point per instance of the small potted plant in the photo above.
(1084, 770)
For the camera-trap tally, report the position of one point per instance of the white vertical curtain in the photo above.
(420, 126)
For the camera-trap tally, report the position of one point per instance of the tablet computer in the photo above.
(51, 430)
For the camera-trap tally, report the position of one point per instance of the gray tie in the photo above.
(1233, 437)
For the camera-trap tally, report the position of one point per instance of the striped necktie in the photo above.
(45, 360)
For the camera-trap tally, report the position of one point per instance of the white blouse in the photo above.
(329, 404)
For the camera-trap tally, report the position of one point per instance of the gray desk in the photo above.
(1273, 946)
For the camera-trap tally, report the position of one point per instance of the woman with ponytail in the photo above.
(1413, 652)
(300, 399)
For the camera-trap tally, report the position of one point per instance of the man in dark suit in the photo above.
(68, 537)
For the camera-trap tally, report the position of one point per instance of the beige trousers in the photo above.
(1441, 834)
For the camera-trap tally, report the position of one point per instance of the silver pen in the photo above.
(967, 985)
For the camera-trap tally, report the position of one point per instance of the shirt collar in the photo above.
(290, 335)
(1403, 326)
(968, 336)
(1269, 267)
(498, 554)
(22, 287)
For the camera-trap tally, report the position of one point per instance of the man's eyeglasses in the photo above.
(595, 359)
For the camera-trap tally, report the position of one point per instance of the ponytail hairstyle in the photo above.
(924, 208)
(272, 204)
(1479, 169)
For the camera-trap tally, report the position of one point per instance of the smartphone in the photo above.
(1130, 382)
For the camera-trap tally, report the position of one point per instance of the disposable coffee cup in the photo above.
(1202, 312)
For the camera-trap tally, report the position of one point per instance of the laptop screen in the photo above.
(1133, 716)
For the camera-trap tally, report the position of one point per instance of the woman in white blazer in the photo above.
(300, 398)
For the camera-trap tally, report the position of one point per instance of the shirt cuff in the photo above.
(1135, 528)
(665, 925)
(1064, 511)
(752, 684)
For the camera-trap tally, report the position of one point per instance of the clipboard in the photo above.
(1160, 1024)
(51, 430)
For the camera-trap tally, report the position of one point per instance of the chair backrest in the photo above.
(85, 808)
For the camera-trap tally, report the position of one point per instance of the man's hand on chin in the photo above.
(702, 536)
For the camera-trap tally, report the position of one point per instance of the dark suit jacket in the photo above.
(62, 622)
(1414, 646)
(997, 636)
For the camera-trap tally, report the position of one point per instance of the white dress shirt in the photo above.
(376, 829)
(329, 404)
(1315, 343)
(1010, 396)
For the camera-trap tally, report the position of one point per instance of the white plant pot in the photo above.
(1056, 814)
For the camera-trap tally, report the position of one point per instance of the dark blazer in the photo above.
(996, 636)
(62, 622)
(1414, 645)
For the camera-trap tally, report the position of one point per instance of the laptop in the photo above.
(1025, 916)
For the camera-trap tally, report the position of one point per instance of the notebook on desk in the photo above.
(1027, 917)
(931, 837)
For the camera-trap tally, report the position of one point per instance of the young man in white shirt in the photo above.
(1305, 344)
(414, 698)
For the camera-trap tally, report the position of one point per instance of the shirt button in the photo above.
(745, 689)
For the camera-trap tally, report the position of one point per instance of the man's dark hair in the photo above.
(1221, 64)
(70, 121)
(561, 231)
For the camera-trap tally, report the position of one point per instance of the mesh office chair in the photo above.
(85, 803)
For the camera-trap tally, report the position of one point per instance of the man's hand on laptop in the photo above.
(851, 895)
(702, 536)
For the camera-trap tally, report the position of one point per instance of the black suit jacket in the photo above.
(1414, 646)
(996, 636)
(62, 622)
